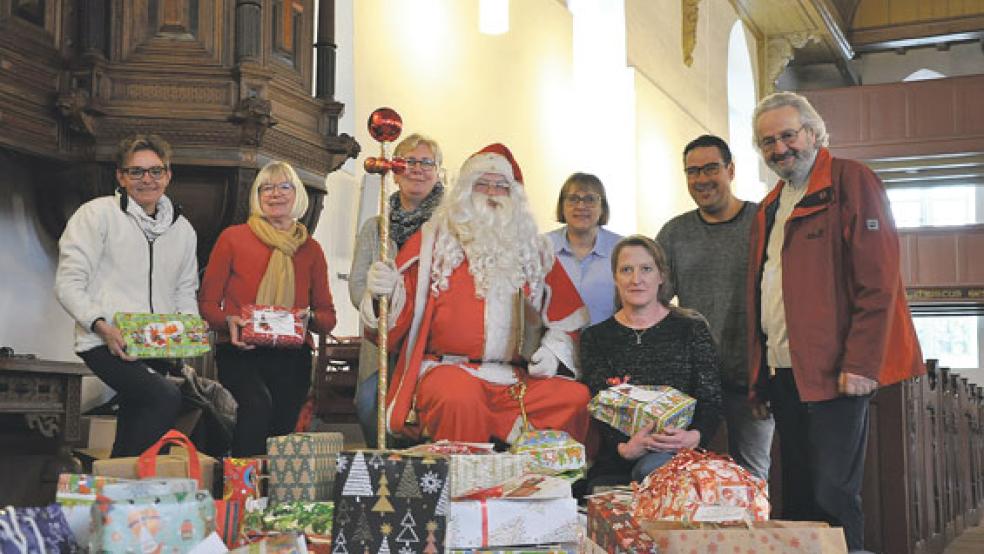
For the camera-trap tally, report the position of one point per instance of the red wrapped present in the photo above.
(685, 487)
(241, 477)
(613, 529)
(274, 326)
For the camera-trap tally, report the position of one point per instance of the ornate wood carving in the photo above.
(778, 53)
(689, 29)
(210, 76)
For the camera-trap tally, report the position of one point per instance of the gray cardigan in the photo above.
(366, 252)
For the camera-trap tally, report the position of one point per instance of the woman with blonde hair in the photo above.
(270, 260)
(420, 192)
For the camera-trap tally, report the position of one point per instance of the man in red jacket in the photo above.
(828, 321)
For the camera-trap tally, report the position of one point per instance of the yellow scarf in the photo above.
(277, 285)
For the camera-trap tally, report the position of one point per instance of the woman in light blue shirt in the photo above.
(583, 247)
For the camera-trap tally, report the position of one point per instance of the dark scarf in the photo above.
(403, 224)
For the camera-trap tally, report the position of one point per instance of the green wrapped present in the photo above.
(302, 466)
(163, 335)
(629, 408)
(553, 452)
(310, 518)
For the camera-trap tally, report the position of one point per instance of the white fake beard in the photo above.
(493, 247)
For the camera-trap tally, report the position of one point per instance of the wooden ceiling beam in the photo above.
(922, 33)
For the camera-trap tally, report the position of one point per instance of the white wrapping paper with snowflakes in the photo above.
(505, 522)
(390, 502)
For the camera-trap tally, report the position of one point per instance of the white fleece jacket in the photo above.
(107, 265)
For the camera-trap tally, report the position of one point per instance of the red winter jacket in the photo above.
(844, 299)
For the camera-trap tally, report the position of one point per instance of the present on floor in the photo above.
(475, 465)
(781, 537)
(163, 335)
(76, 493)
(565, 548)
(172, 515)
(183, 462)
(693, 482)
(302, 466)
(274, 326)
(612, 527)
(311, 518)
(629, 408)
(388, 501)
(243, 478)
(526, 510)
(552, 452)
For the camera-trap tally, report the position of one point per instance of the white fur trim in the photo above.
(487, 162)
(501, 324)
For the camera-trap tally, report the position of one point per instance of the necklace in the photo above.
(638, 334)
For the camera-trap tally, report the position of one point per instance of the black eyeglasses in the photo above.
(268, 188)
(425, 163)
(588, 199)
(137, 173)
(787, 137)
(709, 170)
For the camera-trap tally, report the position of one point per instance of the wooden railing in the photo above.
(924, 472)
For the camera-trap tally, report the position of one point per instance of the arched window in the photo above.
(748, 184)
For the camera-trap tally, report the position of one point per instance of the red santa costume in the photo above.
(468, 276)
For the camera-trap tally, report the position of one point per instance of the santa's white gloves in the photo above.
(543, 363)
(381, 279)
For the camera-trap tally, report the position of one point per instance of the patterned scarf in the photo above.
(403, 224)
(277, 286)
(155, 225)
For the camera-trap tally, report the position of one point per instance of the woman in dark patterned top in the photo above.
(650, 343)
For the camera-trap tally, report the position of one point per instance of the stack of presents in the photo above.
(309, 495)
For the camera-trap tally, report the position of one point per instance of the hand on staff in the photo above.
(235, 324)
(851, 384)
(381, 279)
(113, 338)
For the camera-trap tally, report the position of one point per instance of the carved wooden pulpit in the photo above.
(227, 82)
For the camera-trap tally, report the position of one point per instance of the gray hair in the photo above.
(808, 114)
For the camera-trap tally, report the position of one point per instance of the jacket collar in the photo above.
(818, 189)
(125, 201)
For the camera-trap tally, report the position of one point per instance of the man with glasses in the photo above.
(131, 252)
(828, 321)
(707, 251)
(477, 295)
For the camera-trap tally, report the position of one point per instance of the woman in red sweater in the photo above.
(269, 260)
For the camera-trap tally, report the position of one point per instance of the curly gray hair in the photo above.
(808, 114)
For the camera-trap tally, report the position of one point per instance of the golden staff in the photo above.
(385, 125)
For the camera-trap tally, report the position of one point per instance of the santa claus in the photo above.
(478, 303)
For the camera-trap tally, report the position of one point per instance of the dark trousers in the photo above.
(823, 446)
(149, 403)
(270, 386)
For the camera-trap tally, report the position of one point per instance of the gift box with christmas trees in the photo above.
(390, 502)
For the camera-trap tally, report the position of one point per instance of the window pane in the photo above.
(953, 340)
(937, 206)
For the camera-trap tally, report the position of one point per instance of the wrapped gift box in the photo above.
(551, 451)
(612, 527)
(694, 481)
(242, 477)
(302, 466)
(163, 335)
(531, 510)
(780, 537)
(274, 326)
(629, 408)
(565, 548)
(76, 493)
(310, 518)
(474, 465)
(281, 543)
(390, 501)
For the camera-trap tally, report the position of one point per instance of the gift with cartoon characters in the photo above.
(163, 335)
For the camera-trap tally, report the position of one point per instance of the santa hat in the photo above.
(494, 158)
